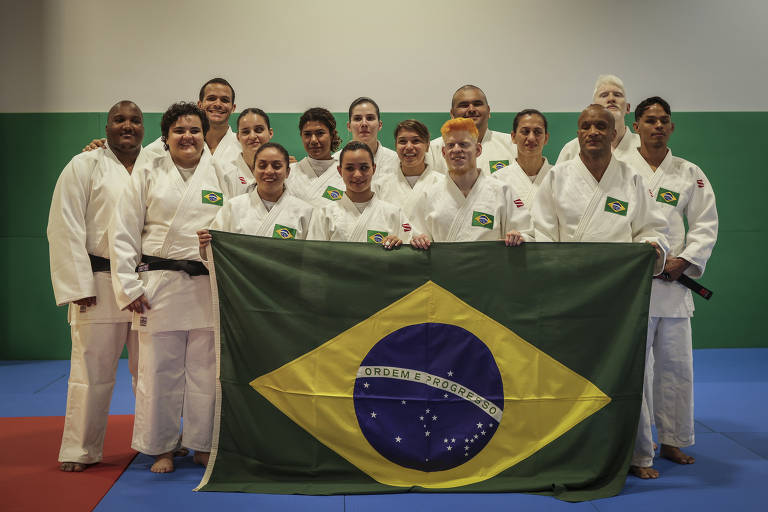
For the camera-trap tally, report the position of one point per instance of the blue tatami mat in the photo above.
(731, 450)
(140, 489)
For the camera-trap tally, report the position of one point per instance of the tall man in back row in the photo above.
(682, 193)
(498, 150)
(610, 93)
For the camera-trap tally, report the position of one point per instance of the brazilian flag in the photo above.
(471, 367)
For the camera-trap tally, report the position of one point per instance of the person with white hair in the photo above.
(610, 93)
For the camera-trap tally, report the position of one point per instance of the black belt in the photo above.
(692, 285)
(99, 264)
(193, 268)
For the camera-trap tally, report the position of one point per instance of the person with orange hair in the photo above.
(466, 205)
(469, 102)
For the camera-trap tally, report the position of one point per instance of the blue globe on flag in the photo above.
(429, 396)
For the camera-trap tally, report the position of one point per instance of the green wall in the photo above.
(727, 145)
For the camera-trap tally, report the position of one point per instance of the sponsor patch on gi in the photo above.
(616, 206)
(518, 202)
(333, 193)
(484, 220)
(376, 237)
(669, 197)
(242, 180)
(406, 227)
(211, 197)
(283, 232)
(700, 183)
(495, 165)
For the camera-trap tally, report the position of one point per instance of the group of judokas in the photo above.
(609, 185)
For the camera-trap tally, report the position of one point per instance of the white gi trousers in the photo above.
(177, 377)
(670, 343)
(96, 349)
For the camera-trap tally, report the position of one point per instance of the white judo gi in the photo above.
(228, 149)
(394, 188)
(571, 206)
(489, 211)
(81, 210)
(160, 217)
(342, 221)
(514, 176)
(498, 151)
(628, 143)
(288, 218)
(316, 190)
(386, 160)
(235, 176)
(680, 190)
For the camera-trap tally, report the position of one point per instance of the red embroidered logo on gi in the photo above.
(406, 227)
(242, 180)
(518, 203)
(650, 192)
(700, 183)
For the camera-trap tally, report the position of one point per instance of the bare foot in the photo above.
(201, 458)
(73, 467)
(180, 452)
(675, 454)
(644, 473)
(163, 463)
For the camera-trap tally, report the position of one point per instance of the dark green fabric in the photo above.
(586, 305)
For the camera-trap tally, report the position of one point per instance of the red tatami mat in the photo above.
(30, 479)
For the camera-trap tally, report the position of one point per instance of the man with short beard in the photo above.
(466, 205)
(83, 201)
(469, 102)
(685, 197)
(610, 93)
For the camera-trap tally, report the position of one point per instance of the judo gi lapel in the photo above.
(114, 171)
(268, 218)
(359, 230)
(191, 199)
(463, 217)
(410, 194)
(597, 195)
(608, 183)
(545, 167)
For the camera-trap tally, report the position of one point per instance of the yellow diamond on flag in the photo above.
(431, 392)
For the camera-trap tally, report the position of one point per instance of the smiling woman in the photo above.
(161, 279)
(314, 178)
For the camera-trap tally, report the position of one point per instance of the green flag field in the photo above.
(344, 368)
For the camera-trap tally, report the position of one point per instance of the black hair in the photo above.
(177, 110)
(364, 99)
(216, 81)
(414, 126)
(253, 110)
(275, 145)
(355, 145)
(322, 115)
(529, 112)
(646, 104)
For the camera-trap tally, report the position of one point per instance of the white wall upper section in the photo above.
(410, 55)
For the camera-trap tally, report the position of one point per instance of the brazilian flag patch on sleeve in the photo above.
(333, 193)
(283, 232)
(211, 197)
(484, 220)
(668, 197)
(376, 237)
(616, 206)
(496, 165)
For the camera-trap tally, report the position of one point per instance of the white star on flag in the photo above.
(398, 439)
(365, 385)
(450, 373)
(426, 434)
(373, 414)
